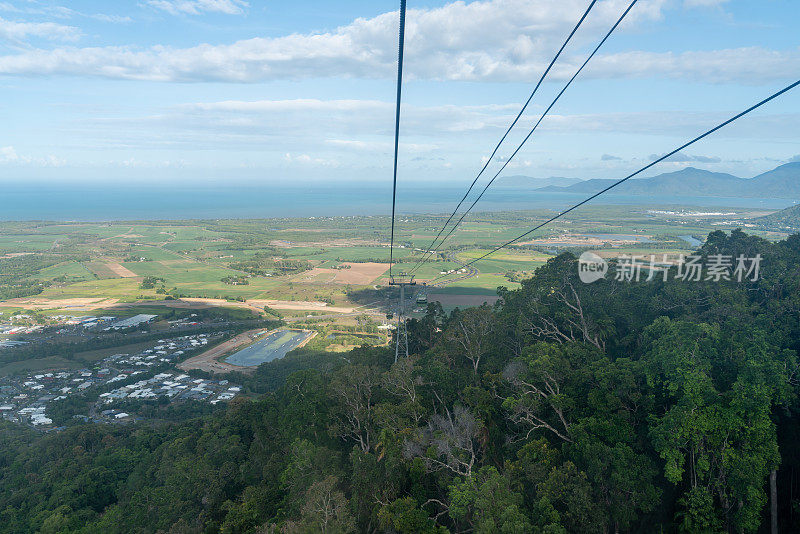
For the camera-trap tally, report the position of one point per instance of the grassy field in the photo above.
(113, 288)
(100, 270)
(487, 282)
(502, 262)
(192, 258)
(180, 271)
(344, 253)
(72, 270)
(461, 290)
(39, 364)
(426, 271)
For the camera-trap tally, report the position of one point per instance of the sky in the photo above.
(234, 91)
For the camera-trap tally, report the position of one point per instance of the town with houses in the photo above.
(146, 375)
(21, 324)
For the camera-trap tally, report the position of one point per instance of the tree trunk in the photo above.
(773, 497)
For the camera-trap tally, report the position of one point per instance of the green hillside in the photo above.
(781, 182)
(788, 218)
(571, 408)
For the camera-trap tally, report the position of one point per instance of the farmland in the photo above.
(336, 262)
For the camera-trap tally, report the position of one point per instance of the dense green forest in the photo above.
(568, 408)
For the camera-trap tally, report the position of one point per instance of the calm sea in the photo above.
(105, 202)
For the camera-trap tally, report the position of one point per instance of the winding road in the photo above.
(472, 272)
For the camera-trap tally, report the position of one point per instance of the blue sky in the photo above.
(235, 91)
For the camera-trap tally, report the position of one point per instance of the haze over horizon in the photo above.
(237, 92)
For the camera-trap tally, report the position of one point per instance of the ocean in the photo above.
(115, 202)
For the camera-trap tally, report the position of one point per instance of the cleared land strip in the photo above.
(121, 271)
(50, 304)
(186, 303)
(353, 273)
(299, 305)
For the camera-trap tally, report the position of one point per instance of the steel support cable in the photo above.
(648, 166)
(549, 108)
(401, 46)
(511, 127)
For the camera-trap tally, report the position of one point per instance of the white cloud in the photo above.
(51, 161)
(20, 31)
(112, 19)
(371, 117)
(302, 118)
(680, 157)
(61, 12)
(351, 144)
(134, 163)
(378, 146)
(305, 159)
(703, 3)
(481, 40)
(349, 129)
(677, 124)
(272, 106)
(491, 40)
(8, 154)
(751, 65)
(197, 7)
(296, 126)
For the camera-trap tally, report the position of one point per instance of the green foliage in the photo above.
(263, 263)
(717, 434)
(17, 273)
(487, 501)
(236, 280)
(406, 517)
(149, 282)
(610, 407)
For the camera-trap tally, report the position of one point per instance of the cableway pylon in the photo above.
(401, 280)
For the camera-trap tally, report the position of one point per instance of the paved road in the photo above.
(472, 272)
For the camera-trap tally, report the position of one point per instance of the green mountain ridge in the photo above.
(781, 182)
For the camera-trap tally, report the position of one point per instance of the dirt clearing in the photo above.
(255, 304)
(121, 271)
(55, 304)
(101, 270)
(354, 273)
(299, 305)
(17, 254)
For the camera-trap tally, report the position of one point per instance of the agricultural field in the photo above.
(338, 262)
(502, 261)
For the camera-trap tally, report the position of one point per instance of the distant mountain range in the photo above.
(781, 182)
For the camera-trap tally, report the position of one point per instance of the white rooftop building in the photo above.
(136, 320)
